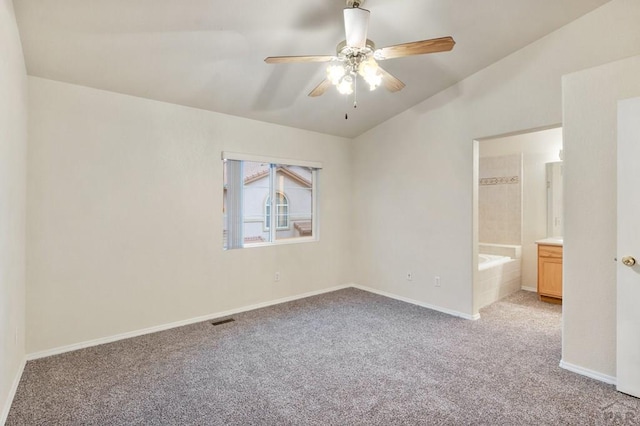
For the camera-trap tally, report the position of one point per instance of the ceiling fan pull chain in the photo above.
(355, 92)
(346, 113)
(355, 97)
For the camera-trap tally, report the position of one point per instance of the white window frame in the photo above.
(274, 162)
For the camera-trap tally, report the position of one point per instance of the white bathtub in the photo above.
(486, 261)
(499, 273)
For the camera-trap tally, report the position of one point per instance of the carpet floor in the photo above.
(343, 358)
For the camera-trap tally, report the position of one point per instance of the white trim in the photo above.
(531, 289)
(266, 159)
(315, 212)
(12, 393)
(588, 373)
(418, 303)
(135, 333)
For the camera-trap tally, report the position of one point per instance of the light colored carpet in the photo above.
(343, 358)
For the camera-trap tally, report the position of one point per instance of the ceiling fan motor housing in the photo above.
(345, 51)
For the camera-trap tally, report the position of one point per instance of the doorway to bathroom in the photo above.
(517, 209)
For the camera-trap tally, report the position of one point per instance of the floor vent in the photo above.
(223, 321)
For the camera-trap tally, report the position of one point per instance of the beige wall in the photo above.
(414, 173)
(537, 149)
(13, 152)
(125, 215)
(590, 131)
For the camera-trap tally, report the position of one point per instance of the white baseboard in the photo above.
(588, 373)
(418, 303)
(531, 289)
(12, 393)
(135, 333)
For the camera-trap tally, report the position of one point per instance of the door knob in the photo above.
(628, 261)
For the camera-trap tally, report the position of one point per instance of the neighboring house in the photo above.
(293, 206)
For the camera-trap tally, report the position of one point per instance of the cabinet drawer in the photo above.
(550, 251)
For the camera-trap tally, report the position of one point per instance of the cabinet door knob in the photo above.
(628, 261)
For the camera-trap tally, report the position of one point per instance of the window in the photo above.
(282, 212)
(250, 183)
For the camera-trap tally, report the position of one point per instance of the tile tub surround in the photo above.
(500, 199)
(501, 280)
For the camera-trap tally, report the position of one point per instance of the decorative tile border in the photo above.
(507, 180)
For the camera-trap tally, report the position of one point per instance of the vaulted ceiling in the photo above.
(209, 53)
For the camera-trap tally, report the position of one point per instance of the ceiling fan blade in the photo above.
(320, 88)
(293, 59)
(356, 25)
(390, 82)
(433, 45)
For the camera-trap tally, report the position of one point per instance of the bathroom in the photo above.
(518, 205)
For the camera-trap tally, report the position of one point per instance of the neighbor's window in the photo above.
(250, 218)
(282, 212)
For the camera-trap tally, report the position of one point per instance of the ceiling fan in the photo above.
(357, 55)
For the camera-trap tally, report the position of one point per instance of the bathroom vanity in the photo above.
(550, 270)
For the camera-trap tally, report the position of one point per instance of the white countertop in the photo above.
(553, 241)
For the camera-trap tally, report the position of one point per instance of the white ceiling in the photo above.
(209, 53)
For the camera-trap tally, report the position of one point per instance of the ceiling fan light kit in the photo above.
(354, 61)
(358, 56)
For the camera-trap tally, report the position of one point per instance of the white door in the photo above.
(628, 286)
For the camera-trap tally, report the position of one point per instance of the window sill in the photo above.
(279, 243)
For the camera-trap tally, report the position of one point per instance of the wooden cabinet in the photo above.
(550, 273)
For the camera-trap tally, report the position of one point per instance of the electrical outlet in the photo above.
(436, 281)
(409, 276)
(276, 276)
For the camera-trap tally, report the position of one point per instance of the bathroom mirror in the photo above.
(554, 200)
